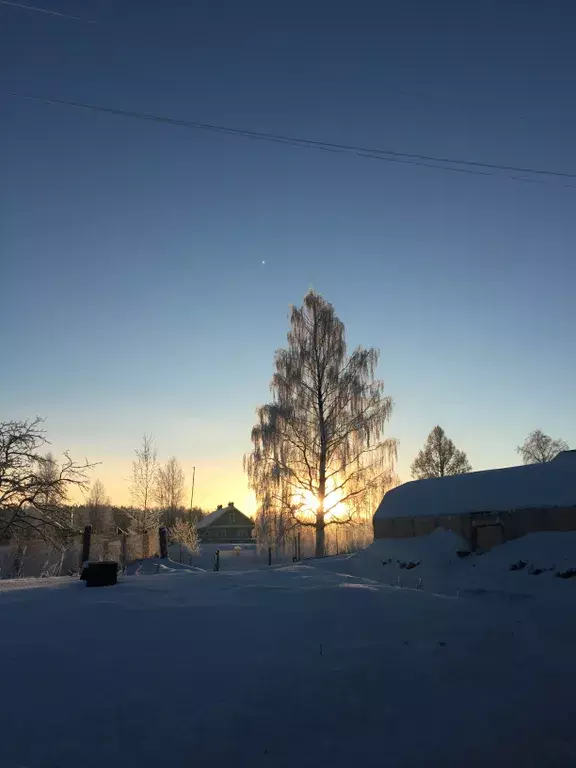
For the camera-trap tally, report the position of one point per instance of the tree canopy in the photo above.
(439, 457)
(539, 448)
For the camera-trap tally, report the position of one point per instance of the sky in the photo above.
(134, 296)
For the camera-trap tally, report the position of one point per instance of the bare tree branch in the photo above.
(185, 533)
(169, 489)
(34, 487)
(539, 448)
(144, 517)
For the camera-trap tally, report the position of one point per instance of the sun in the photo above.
(309, 503)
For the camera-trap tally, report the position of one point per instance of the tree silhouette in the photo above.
(318, 448)
(540, 447)
(439, 457)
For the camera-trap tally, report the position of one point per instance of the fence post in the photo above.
(217, 560)
(124, 550)
(269, 555)
(86, 535)
(163, 539)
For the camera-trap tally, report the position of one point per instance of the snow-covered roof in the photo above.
(531, 486)
(213, 516)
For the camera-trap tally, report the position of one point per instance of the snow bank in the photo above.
(432, 563)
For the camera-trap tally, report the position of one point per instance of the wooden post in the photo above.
(86, 536)
(124, 550)
(217, 560)
(163, 540)
(269, 555)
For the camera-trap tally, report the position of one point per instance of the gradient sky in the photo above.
(133, 294)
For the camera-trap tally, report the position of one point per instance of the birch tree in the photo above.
(100, 514)
(184, 532)
(318, 448)
(170, 489)
(47, 469)
(143, 516)
(539, 448)
(439, 457)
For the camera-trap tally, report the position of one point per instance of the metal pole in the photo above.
(163, 541)
(86, 544)
(192, 491)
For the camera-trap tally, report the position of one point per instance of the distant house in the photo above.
(484, 508)
(226, 525)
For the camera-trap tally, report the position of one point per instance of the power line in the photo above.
(427, 161)
(393, 89)
(44, 10)
(422, 95)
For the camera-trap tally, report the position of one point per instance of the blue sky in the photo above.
(133, 294)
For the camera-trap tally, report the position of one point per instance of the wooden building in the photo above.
(226, 525)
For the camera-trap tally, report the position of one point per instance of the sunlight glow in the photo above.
(309, 504)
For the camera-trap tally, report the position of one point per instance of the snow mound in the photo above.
(547, 548)
(549, 552)
(439, 563)
(435, 549)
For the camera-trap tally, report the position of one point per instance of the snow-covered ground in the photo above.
(232, 556)
(523, 567)
(289, 666)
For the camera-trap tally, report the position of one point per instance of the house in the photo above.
(484, 508)
(226, 525)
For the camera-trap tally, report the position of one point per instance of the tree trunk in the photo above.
(320, 534)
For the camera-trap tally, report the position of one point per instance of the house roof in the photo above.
(531, 486)
(210, 519)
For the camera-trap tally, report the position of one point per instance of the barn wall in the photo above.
(485, 530)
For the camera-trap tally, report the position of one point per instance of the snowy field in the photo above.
(290, 666)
